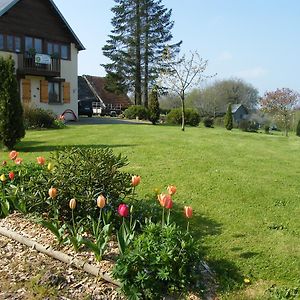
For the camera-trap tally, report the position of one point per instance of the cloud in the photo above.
(253, 73)
(225, 56)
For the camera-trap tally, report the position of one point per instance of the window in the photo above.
(1, 41)
(33, 43)
(54, 92)
(10, 43)
(64, 52)
(58, 50)
(13, 43)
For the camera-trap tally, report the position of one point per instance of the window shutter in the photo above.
(44, 91)
(67, 96)
(26, 90)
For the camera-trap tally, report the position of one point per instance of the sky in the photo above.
(254, 40)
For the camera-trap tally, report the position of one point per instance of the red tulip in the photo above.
(135, 180)
(18, 160)
(123, 210)
(72, 203)
(52, 192)
(188, 211)
(164, 199)
(11, 175)
(101, 201)
(169, 203)
(172, 189)
(41, 160)
(13, 155)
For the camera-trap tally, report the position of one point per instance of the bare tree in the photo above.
(281, 103)
(181, 74)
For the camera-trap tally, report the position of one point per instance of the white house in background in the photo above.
(45, 50)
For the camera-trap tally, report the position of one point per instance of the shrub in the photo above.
(39, 118)
(228, 120)
(219, 121)
(161, 261)
(298, 129)
(154, 107)
(11, 111)
(208, 122)
(136, 111)
(192, 117)
(244, 125)
(267, 129)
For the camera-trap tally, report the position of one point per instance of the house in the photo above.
(92, 88)
(239, 112)
(45, 50)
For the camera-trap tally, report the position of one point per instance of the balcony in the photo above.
(38, 65)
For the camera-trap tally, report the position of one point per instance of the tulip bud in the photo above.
(52, 192)
(41, 160)
(123, 210)
(11, 175)
(164, 199)
(13, 155)
(72, 203)
(135, 180)
(2, 178)
(172, 189)
(188, 211)
(50, 166)
(101, 201)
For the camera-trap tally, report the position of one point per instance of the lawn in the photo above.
(243, 187)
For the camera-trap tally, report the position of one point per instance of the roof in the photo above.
(6, 5)
(235, 107)
(97, 85)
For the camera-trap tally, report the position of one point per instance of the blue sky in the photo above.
(257, 40)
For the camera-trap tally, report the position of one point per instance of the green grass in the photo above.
(244, 188)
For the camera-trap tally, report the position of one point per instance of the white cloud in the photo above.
(225, 56)
(253, 73)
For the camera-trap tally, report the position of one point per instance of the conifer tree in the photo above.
(298, 129)
(228, 121)
(154, 106)
(11, 111)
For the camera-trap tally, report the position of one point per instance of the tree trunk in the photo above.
(146, 59)
(183, 113)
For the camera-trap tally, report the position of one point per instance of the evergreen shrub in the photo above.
(136, 111)
(208, 122)
(39, 118)
(192, 117)
(298, 129)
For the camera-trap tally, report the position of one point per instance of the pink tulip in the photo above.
(135, 180)
(11, 175)
(123, 210)
(41, 160)
(13, 154)
(188, 211)
(164, 199)
(172, 189)
(18, 160)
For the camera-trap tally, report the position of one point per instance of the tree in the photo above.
(228, 121)
(182, 74)
(11, 111)
(141, 31)
(154, 106)
(298, 129)
(281, 104)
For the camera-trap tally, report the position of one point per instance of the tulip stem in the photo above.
(74, 227)
(188, 227)
(168, 217)
(163, 217)
(99, 220)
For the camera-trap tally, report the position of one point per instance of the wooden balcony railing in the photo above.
(27, 65)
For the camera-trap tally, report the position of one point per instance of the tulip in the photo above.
(50, 166)
(41, 160)
(72, 203)
(123, 210)
(169, 203)
(172, 189)
(101, 201)
(52, 192)
(11, 175)
(164, 199)
(188, 211)
(13, 154)
(2, 178)
(18, 161)
(135, 180)
(4, 163)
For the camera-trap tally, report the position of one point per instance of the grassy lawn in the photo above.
(244, 188)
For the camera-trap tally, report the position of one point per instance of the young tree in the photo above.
(11, 111)
(281, 104)
(154, 106)
(228, 121)
(298, 129)
(182, 74)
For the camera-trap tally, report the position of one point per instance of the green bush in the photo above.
(228, 120)
(298, 129)
(248, 126)
(192, 117)
(161, 261)
(267, 129)
(208, 122)
(136, 111)
(39, 118)
(219, 121)
(154, 107)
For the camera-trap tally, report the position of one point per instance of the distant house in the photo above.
(92, 88)
(45, 50)
(239, 112)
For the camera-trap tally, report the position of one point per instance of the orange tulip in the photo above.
(172, 189)
(72, 203)
(18, 160)
(41, 160)
(169, 203)
(135, 180)
(188, 211)
(101, 201)
(13, 154)
(52, 192)
(164, 199)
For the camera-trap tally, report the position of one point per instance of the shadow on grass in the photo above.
(32, 146)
